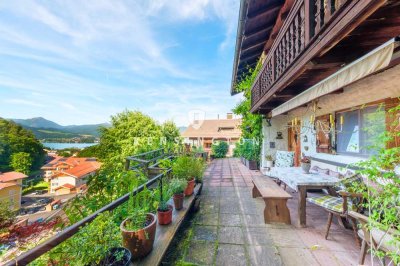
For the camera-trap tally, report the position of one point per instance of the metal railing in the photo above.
(68, 232)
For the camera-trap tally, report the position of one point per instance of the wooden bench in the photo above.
(275, 198)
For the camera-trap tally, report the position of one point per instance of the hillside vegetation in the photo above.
(17, 142)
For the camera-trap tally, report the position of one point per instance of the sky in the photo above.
(79, 62)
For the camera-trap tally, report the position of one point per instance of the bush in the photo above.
(220, 149)
(250, 150)
(182, 168)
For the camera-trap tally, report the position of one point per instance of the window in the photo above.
(360, 131)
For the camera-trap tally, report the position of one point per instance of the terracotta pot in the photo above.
(189, 188)
(165, 217)
(140, 242)
(178, 201)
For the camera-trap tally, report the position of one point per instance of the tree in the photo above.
(171, 134)
(14, 139)
(7, 215)
(131, 132)
(21, 162)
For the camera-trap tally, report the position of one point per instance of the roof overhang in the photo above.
(255, 25)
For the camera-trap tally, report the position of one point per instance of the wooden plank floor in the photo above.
(165, 233)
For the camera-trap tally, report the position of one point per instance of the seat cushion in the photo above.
(330, 202)
(284, 159)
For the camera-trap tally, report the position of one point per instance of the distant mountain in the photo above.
(37, 122)
(50, 131)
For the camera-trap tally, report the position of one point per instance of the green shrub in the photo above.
(220, 149)
(177, 186)
(182, 168)
(250, 151)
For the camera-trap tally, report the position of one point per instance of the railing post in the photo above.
(127, 164)
(309, 19)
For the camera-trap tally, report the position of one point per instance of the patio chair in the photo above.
(375, 238)
(339, 205)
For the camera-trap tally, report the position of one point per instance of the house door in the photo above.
(294, 145)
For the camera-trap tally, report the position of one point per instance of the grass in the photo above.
(42, 185)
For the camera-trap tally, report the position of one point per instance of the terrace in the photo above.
(228, 227)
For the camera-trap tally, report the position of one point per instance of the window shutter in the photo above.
(323, 140)
(392, 121)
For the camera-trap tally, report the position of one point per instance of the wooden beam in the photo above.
(267, 10)
(250, 57)
(253, 45)
(263, 29)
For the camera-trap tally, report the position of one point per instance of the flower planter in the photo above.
(252, 165)
(306, 167)
(178, 201)
(113, 257)
(270, 164)
(165, 217)
(189, 188)
(140, 242)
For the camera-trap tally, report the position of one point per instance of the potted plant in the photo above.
(164, 213)
(270, 161)
(183, 168)
(177, 187)
(305, 164)
(97, 243)
(139, 228)
(198, 169)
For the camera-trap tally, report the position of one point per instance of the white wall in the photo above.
(278, 124)
(61, 180)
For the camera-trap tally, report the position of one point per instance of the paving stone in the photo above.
(201, 253)
(297, 256)
(231, 255)
(226, 219)
(207, 219)
(257, 236)
(205, 232)
(264, 256)
(251, 220)
(230, 235)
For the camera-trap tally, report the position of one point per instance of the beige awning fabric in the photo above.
(364, 66)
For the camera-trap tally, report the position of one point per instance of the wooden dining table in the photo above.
(296, 179)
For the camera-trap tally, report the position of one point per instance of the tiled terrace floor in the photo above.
(229, 229)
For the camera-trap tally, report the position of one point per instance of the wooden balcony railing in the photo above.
(306, 19)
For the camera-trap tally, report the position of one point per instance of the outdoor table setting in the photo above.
(296, 179)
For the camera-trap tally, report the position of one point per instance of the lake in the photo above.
(60, 146)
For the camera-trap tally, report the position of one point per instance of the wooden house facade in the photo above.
(328, 70)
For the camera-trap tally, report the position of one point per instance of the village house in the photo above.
(203, 133)
(327, 74)
(73, 180)
(11, 188)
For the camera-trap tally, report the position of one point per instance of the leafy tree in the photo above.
(131, 132)
(91, 151)
(15, 139)
(220, 149)
(21, 162)
(251, 123)
(7, 215)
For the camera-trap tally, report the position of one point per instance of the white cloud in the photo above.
(23, 102)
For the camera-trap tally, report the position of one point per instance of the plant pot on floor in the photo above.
(189, 188)
(252, 164)
(117, 257)
(140, 242)
(270, 164)
(178, 201)
(306, 167)
(165, 217)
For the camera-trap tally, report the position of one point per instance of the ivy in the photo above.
(251, 123)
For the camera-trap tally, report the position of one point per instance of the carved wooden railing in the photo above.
(306, 19)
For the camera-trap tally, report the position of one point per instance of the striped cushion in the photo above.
(330, 202)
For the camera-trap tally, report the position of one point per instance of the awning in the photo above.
(375, 60)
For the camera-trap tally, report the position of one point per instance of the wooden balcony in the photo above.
(316, 39)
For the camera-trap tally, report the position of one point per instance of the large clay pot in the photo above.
(306, 167)
(165, 218)
(178, 201)
(190, 187)
(140, 242)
